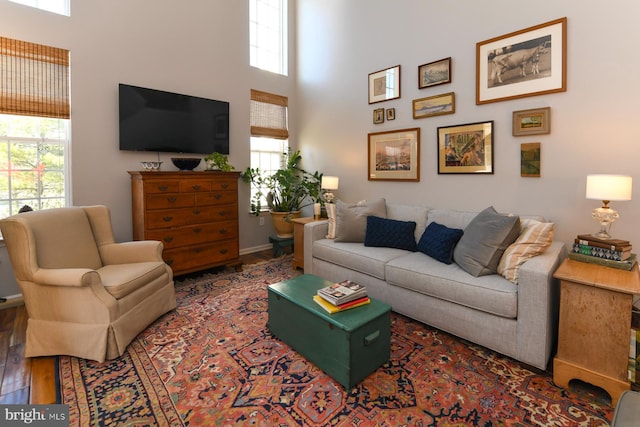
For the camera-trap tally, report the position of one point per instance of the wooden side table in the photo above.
(595, 325)
(298, 240)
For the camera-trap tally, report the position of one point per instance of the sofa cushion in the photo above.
(420, 273)
(390, 233)
(533, 240)
(417, 214)
(438, 241)
(484, 240)
(351, 218)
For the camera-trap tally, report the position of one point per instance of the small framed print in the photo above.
(391, 113)
(434, 73)
(434, 105)
(530, 159)
(384, 85)
(378, 116)
(394, 155)
(532, 122)
(466, 148)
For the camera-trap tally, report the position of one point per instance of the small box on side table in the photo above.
(347, 346)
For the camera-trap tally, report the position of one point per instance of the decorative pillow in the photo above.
(331, 214)
(484, 241)
(438, 241)
(351, 219)
(390, 233)
(533, 240)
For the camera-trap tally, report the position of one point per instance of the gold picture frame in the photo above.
(524, 63)
(466, 149)
(436, 105)
(384, 85)
(536, 121)
(378, 116)
(530, 159)
(434, 73)
(394, 155)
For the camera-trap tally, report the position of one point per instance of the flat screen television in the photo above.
(154, 120)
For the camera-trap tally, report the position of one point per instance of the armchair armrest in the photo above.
(313, 231)
(66, 277)
(130, 252)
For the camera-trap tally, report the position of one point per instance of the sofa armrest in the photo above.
(130, 252)
(66, 277)
(313, 231)
(538, 300)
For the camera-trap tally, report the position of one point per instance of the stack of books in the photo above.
(342, 296)
(608, 252)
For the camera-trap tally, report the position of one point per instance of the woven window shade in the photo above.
(34, 79)
(268, 115)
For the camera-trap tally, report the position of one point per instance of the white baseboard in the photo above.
(260, 248)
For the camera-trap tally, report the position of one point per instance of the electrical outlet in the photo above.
(261, 220)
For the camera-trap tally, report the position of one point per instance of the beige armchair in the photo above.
(85, 295)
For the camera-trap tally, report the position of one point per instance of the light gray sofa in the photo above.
(517, 320)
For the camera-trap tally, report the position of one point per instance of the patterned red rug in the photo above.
(212, 361)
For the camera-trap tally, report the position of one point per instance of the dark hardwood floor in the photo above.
(32, 380)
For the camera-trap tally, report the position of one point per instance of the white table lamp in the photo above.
(329, 183)
(607, 188)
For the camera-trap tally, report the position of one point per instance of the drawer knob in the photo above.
(223, 231)
(217, 196)
(197, 250)
(197, 230)
(163, 188)
(196, 211)
(171, 199)
(168, 261)
(167, 218)
(223, 251)
(225, 185)
(196, 187)
(223, 213)
(168, 239)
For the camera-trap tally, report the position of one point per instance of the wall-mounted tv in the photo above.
(154, 120)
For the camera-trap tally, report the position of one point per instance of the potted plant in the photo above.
(218, 161)
(286, 191)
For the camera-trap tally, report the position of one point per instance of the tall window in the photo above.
(269, 132)
(34, 126)
(56, 6)
(268, 35)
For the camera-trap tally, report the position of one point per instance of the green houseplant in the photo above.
(218, 161)
(286, 190)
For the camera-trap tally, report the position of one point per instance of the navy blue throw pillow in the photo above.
(390, 233)
(438, 241)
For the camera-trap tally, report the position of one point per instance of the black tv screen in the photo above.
(154, 120)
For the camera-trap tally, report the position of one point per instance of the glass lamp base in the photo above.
(605, 216)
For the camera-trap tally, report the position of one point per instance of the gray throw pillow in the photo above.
(351, 219)
(484, 241)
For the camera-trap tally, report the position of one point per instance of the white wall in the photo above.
(593, 124)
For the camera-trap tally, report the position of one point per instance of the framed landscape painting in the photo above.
(466, 148)
(434, 73)
(434, 105)
(532, 122)
(524, 63)
(394, 155)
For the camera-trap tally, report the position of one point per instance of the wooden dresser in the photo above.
(194, 214)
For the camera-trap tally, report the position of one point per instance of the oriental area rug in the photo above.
(213, 362)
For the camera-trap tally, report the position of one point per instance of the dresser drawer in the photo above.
(216, 198)
(192, 258)
(161, 186)
(195, 234)
(166, 218)
(190, 186)
(170, 200)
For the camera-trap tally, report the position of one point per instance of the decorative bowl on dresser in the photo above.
(194, 214)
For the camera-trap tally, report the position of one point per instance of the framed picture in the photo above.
(530, 159)
(466, 148)
(532, 122)
(394, 155)
(391, 113)
(434, 73)
(434, 106)
(384, 85)
(528, 62)
(378, 115)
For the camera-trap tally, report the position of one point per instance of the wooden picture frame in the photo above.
(378, 116)
(384, 85)
(465, 149)
(434, 73)
(394, 155)
(524, 63)
(530, 159)
(436, 105)
(391, 114)
(532, 122)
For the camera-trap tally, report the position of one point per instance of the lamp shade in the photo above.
(609, 187)
(329, 182)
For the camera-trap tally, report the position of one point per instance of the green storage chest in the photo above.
(347, 346)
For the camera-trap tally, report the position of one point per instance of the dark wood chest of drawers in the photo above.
(194, 214)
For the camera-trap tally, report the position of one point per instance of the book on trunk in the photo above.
(622, 265)
(601, 252)
(342, 292)
(330, 308)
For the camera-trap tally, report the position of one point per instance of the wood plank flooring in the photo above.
(32, 380)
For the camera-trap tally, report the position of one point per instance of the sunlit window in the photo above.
(56, 6)
(268, 35)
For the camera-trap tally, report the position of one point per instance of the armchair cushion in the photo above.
(122, 279)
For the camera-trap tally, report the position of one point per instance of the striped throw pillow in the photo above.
(535, 237)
